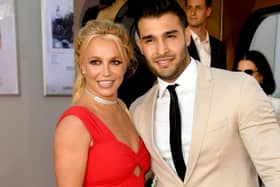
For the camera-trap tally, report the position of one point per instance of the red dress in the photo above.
(111, 163)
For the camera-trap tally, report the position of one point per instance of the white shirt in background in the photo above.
(276, 105)
(203, 48)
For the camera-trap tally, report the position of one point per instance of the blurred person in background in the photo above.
(204, 47)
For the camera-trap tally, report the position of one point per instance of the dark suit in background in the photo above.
(218, 52)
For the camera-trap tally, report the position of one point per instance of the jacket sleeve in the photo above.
(260, 131)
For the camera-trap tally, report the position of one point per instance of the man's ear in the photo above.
(138, 43)
(209, 11)
(188, 35)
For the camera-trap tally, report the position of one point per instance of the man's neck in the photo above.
(200, 31)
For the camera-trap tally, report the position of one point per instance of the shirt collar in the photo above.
(197, 38)
(186, 80)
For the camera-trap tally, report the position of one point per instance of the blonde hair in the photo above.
(99, 28)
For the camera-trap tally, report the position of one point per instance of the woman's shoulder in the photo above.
(71, 115)
(77, 110)
(75, 114)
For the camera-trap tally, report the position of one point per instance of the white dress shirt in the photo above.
(203, 48)
(276, 105)
(186, 97)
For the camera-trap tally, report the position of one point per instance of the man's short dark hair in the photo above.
(207, 2)
(156, 8)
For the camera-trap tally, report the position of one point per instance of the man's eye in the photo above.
(148, 41)
(171, 36)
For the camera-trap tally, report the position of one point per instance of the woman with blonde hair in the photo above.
(95, 143)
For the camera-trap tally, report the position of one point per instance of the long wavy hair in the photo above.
(105, 29)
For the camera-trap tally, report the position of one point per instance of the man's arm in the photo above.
(260, 132)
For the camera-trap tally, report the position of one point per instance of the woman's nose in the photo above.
(106, 70)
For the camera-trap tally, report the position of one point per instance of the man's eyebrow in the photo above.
(146, 37)
(171, 32)
(166, 33)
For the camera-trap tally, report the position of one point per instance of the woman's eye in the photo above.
(116, 62)
(94, 62)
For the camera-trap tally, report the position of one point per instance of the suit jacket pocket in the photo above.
(215, 139)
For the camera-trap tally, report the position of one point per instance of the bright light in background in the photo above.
(5, 9)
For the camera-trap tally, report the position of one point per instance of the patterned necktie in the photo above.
(175, 133)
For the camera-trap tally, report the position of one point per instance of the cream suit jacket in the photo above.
(235, 133)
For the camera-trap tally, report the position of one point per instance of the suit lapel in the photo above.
(148, 115)
(201, 115)
(213, 51)
(212, 47)
(192, 50)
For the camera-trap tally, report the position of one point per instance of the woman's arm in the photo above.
(71, 144)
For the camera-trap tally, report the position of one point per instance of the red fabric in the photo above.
(111, 163)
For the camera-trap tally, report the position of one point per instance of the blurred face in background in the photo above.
(197, 12)
(250, 68)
